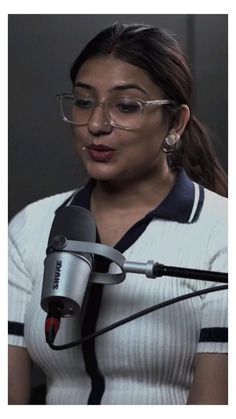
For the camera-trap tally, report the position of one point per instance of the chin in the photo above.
(102, 173)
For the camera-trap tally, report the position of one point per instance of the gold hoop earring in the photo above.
(170, 143)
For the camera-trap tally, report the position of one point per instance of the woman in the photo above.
(154, 193)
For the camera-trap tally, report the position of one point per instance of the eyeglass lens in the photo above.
(122, 112)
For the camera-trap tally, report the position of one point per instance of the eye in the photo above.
(83, 103)
(127, 106)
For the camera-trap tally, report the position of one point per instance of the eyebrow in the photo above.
(85, 85)
(115, 88)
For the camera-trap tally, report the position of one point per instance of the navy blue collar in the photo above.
(183, 204)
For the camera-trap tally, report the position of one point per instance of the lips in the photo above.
(100, 147)
(100, 152)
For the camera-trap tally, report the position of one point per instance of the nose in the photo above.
(98, 122)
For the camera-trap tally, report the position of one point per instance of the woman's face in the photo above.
(108, 152)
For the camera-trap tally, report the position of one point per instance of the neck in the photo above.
(148, 191)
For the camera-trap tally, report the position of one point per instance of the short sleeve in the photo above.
(28, 238)
(19, 285)
(214, 327)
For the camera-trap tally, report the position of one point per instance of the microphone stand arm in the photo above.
(154, 269)
(151, 269)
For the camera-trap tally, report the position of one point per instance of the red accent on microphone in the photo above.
(52, 325)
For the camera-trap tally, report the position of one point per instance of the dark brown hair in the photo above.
(159, 54)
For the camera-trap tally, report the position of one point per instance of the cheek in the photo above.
(148, 139)
(79, 136)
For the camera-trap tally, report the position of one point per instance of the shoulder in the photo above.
(213, 200)
(29, 231)
(214, 227)
(38, 214)
(215, 208)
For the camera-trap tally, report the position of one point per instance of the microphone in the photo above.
(66, 274)
(69, 267)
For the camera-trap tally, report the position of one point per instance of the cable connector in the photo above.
(52, 323)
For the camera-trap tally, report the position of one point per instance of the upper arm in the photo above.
(210, 383)
(19, 375)
(19, 292)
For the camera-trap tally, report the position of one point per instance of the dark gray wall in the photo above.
(41, 50)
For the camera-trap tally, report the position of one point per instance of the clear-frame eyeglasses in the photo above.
(120, 112)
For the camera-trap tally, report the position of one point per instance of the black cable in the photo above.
(136, 315)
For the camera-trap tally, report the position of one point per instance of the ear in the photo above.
(181, 121)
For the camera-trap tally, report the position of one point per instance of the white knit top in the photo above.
(149, 360)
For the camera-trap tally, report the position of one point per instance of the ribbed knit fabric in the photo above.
(149, 360)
